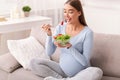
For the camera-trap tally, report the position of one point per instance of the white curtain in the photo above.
(49, 8)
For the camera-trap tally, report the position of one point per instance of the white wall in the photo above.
(103, 16)
(7, 5)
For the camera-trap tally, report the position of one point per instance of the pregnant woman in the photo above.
(75, 55)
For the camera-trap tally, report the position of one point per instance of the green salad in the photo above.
(62, 38)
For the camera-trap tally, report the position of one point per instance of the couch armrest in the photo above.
(8, 63)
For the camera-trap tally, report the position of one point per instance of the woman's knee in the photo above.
(92, 73)
(97, 72)
(33, 64)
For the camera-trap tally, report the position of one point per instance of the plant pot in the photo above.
(26, 14)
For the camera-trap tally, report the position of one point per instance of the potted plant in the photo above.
(26, 9)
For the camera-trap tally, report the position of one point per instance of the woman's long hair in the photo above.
(78, 6)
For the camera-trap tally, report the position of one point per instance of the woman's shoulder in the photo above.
(88, 29)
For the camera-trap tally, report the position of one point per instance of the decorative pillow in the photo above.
(8, 63)
(26, 49)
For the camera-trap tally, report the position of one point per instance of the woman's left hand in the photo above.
(68, 45)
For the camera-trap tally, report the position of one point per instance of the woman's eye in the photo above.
(70, 12)
(64, 11)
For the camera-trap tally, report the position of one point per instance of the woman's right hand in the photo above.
(47, 29)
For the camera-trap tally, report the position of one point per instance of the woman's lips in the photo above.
(68, 20)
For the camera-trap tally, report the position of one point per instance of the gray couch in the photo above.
(106, 55)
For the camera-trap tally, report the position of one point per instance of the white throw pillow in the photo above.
(26, 49)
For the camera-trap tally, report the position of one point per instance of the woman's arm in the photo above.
(50, 47)
(84, 58)
(87, 46)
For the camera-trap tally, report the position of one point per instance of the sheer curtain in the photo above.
(49, 8)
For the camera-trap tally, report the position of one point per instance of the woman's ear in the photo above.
(79, 13)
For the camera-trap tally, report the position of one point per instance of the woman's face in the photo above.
(71, 14)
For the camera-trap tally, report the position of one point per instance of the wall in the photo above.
(35, 4)
(103, 16)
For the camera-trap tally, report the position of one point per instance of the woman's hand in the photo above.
(47, 29)
(68, 45)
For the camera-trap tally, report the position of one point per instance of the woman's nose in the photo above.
(67, 15)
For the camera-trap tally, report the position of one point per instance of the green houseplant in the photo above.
(26, 9)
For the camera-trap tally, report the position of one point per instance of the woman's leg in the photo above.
(91, 73)
(44, 68)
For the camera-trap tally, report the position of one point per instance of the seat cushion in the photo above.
(3, 75)
(22, 74)
(106, 53)
(56, 56)
(8, 63)
(110, 78)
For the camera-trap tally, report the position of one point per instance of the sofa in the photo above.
(105, 55)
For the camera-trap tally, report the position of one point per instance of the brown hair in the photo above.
(78, 6)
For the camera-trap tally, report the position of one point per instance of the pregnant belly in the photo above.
(69, 65)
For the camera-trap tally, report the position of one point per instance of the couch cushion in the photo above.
(24, 50)
(55, 57)
(106, 53)
(110, 78)
(22, 74)
(3, 75)
(8, 63)
(40, 35)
